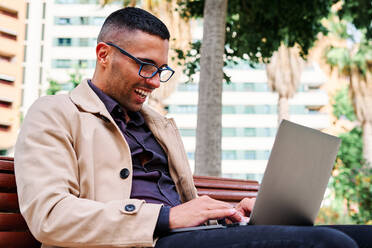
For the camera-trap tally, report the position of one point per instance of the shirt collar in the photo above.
(113, 107)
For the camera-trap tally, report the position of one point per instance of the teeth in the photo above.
(142, 92)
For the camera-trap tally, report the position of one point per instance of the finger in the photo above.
(246, 206)
(211, 203)
(219, 213)
(237, 217)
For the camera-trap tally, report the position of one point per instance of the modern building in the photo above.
(12, 31)
(61, 41)
(249, 116)
(62, 36)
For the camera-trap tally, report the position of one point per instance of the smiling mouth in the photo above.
(143, 94)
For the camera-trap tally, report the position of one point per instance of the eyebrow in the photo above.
(152, 62)
(147, 60)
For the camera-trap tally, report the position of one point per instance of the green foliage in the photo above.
(357, 54)
(343, 107)
(352, 181)
(55, 87)
(256, 28)
(344, 58)
(359, 12)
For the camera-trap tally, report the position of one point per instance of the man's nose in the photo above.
(154, 82)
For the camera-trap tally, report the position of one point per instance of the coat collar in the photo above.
(85, 98)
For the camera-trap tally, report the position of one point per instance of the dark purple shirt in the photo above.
(151, 178)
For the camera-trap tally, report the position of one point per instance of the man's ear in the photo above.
(102, 53)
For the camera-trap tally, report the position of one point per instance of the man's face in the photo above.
(123, 82)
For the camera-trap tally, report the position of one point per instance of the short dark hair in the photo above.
(132, 19)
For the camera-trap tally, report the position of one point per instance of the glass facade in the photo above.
(245, 87)
(236, 132)
(239, 155)
(75, 42)
(71, 63)
(79, 20)
(246, 109)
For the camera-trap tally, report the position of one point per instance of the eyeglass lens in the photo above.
(149, 70)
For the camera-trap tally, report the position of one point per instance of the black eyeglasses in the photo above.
(148, 70)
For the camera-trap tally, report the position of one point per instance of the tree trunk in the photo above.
(367, 142)
(361, 93)
(283, 76)
(208, 132)
(283, 108)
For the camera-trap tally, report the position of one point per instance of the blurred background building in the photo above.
(249, 116)
(60, 40)
(12, 31)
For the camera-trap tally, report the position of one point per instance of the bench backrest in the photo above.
(14, 232)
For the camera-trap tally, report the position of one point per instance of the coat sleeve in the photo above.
(47, 177)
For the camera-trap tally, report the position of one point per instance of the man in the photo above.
(98, 168)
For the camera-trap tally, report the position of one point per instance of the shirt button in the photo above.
(129, 208)
(124, 173)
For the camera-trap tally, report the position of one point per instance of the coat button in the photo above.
(124, 173)
(129, 208)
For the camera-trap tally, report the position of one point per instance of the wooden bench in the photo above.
(14, 232)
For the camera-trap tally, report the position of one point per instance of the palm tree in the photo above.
(208, 136)
(355, 62)
(283, 76)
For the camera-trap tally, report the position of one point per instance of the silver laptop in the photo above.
(295, 178)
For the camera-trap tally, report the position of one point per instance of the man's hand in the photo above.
(201, 209)
(244, 209)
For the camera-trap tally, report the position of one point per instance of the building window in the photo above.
(228, 109)
(42, 31)
(63, 21)
(26, 31)
(249, 110)
(250, 155)
(63, 41)
(4, 127)
(5, 104)
(84, 42)
(228, 132)
(8, 35)
(44, 10)
(98, 21)
(83, 20)
(5, 79)
(183, 109)
(187, 132)
(229, 155)
(6, 58)
(62, 63)
(8, 12)
(250, 132)
(83, 63)
(27, 10)
(188, 87)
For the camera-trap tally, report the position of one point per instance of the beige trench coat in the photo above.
(68, 159)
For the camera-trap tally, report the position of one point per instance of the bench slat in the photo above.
(7, 183)
(12, 222)
(225, 183)
(9, 202)
(6, 165)
(226, 195)
(18, 240)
